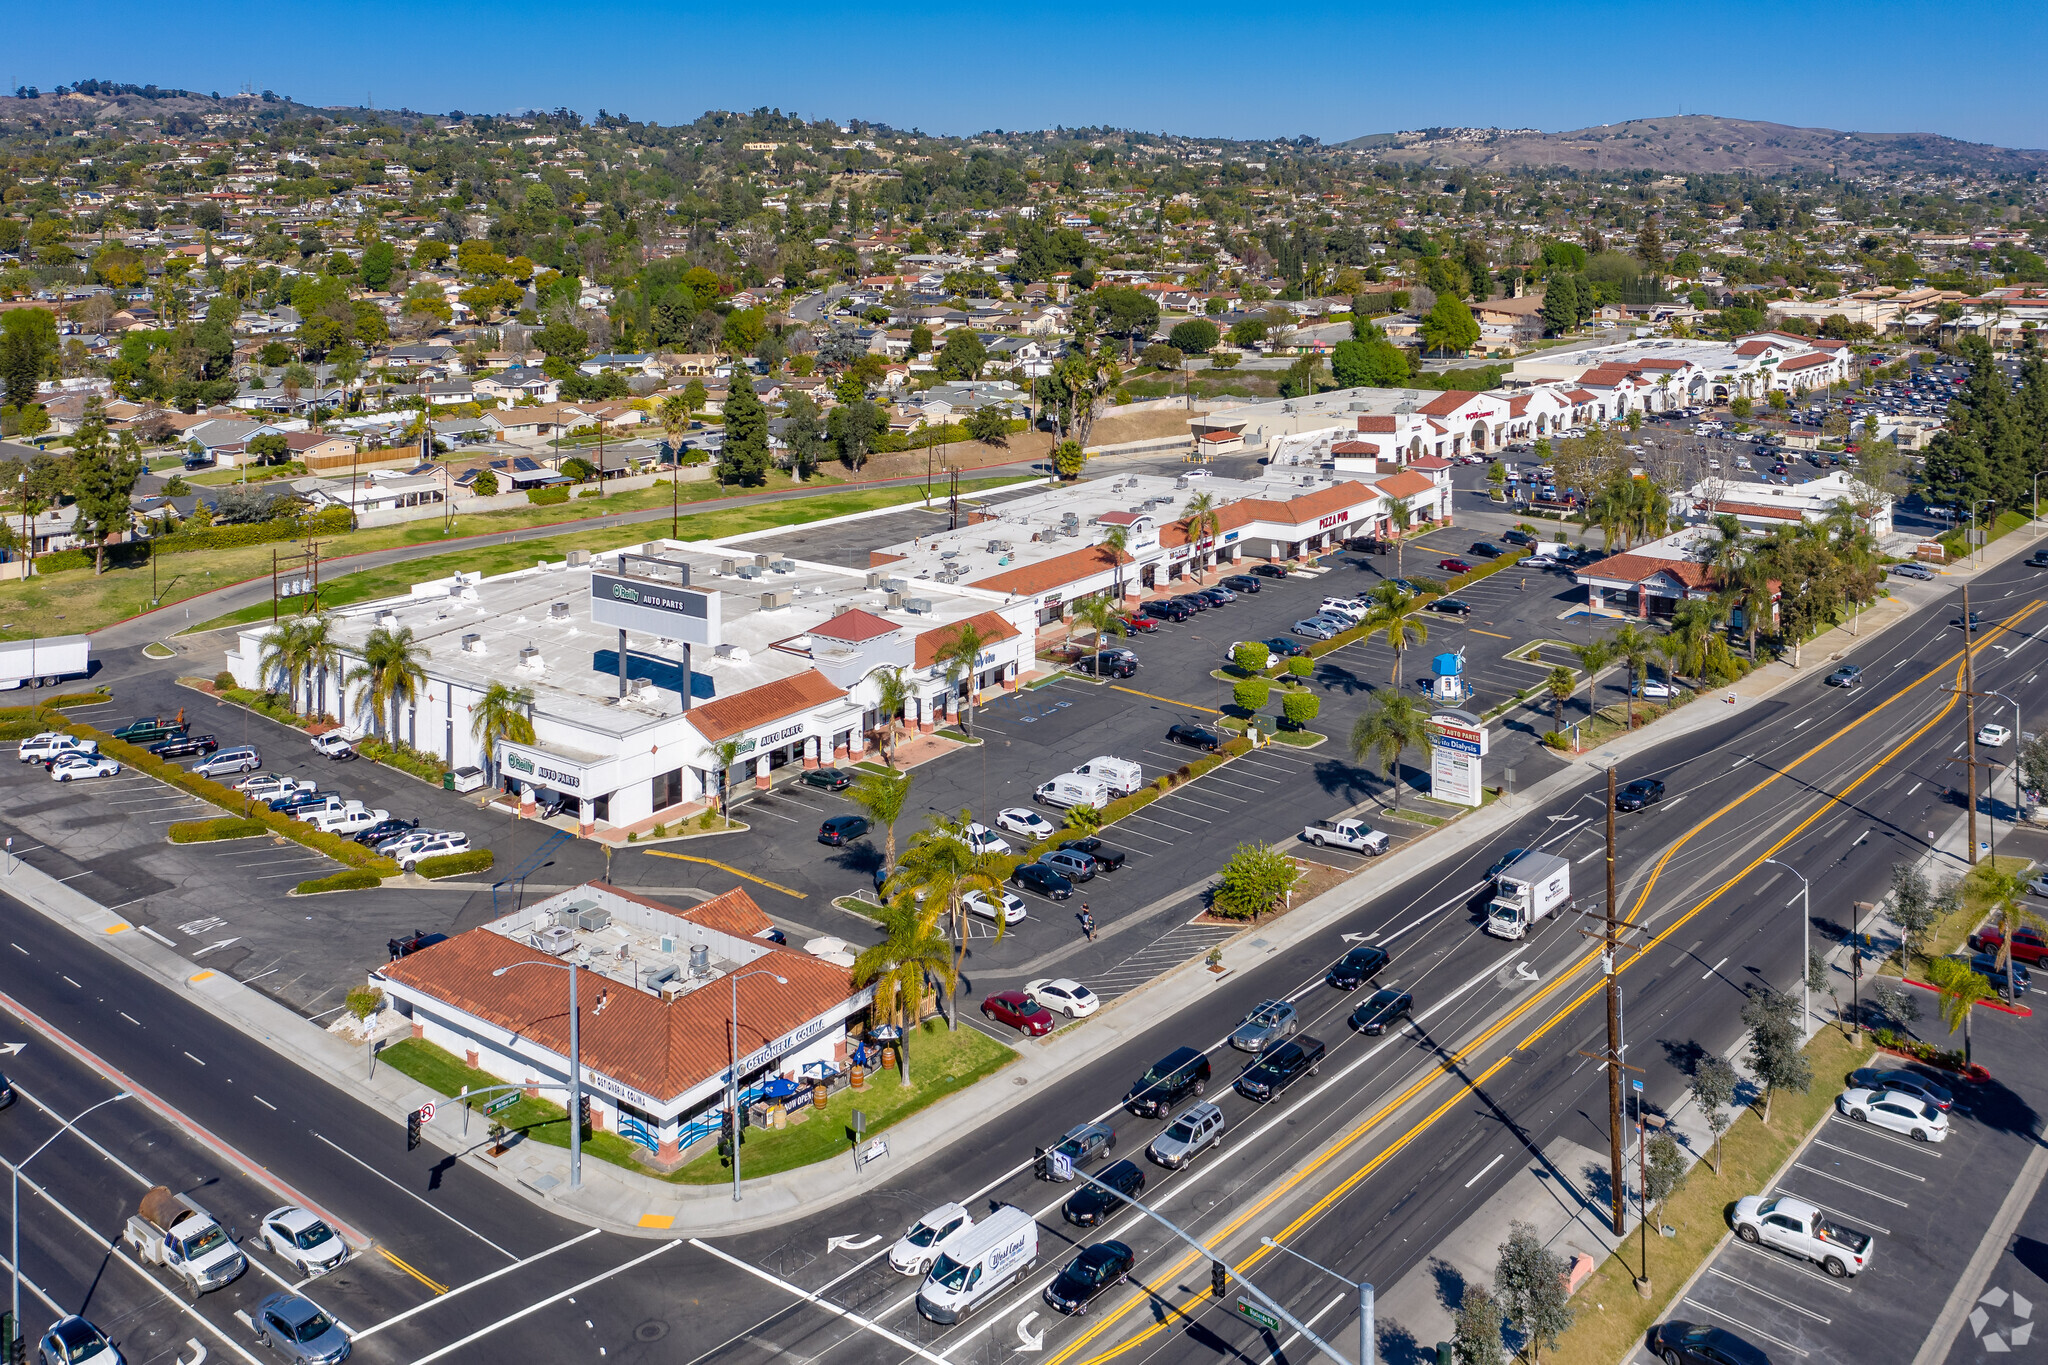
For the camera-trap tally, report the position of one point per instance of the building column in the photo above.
(1642, 605)
(761, 773)
(857, 742)
(812, 748)
(838, 749)
(586, 823)
(925, 722)
(527, 807)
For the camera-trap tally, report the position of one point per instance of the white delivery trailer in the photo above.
(44, 662)
(992, 1256)
(1526, 892)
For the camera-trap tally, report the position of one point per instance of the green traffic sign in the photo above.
(502, 1103)
(1252, 1313)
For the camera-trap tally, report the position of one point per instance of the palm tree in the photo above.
(960, 654)
(892, 694)
(1394, 726)
(1203, 526)
(2008, 915)
(1634, 645)
(1401, 629)
(1562, 682)
(910, 954)
(1117, 541)
(674, 416)
(1098, 615)
(1593, 656)
(503, 713)
(284, 656)
(1961, 988)
(322, 649)
(882, 796)
(727, 753)
(1694, 645)
(389, 675)
(1399, 514)
(941, 868)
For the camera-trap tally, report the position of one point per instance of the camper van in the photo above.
(1072, 789)
(992, 1255)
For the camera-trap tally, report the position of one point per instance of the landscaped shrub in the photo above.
(224, 827)
(453, 864)
(547, 497)
(223, 680)
(403, 757)
(1300, 708)
(352, 879)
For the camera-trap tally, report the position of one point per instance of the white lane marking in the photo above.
(1915, 787)
(265, 1103)
(196, 1059)
(130, 1018)
(1767, 1294)
(1715, 968)
(428, 1202)
(1860, 1189)
(532, 1308)
(155, 935)
(867, 1324)
(1744, 1324)
(1847, 1151)
(399, 1317)
(1281, 1354)
(1484, 1169)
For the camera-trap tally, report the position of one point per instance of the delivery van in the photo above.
(993, 1255)
(1123, 775)
(1072, 789)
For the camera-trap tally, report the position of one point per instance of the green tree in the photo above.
(379, 261)
(1101, 617)
(989, 426)
(1250, 695)
(1777, 1054)
(103, 475)
(1394, 726)
(854, 428)
(1251, 657)
(1400, 627)
(1560, 305)
(485, 484)
(1255, 880)
(803, 432)
(1196, 336)
(1068, 458)
(1713, 1090)
(389, 676)
(962, 356)
(1376, 363)
(1299, 708)
(283, 659)
(1476, 1336)
(1562, 683)
(940, 870)
(882, 796)
(1119, 310)
(1633, 645)
(959, 654)
(910, 951)
(1529, 1280)
(2006, 916)
(502, 715)
(920, 341)
(269, 448)
(743, 457)
(1960, 989)
(1664, 1170)
(695, 396)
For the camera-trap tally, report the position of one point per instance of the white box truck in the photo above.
(1526, 892)
(171, 1231)
(991, 1256)
(44, 662)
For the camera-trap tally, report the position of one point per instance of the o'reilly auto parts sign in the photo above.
(654, 608)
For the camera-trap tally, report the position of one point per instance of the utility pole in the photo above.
(1970, 710)
(1609, 948)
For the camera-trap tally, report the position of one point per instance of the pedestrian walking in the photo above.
(1524, 587)
(1087, 922)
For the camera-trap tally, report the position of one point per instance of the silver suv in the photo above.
(1199, 1128)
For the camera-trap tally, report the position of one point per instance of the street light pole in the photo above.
(1365, 1296)
(14, 1232)
(732, 1077)
(2019, 738)
(575, 1070)
(1805, 952)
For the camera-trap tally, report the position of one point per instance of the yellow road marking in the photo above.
(1558, 982)
(428, 1281)
(657, 1220)
(118, 928)
(1494, 633)
(1168, 700)
(724, 867)
(195, 980)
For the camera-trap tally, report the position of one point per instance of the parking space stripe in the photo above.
(1745, 1326)
(1179, 811)
(1818, 1142)
(1860, 1189)
(1860, 1221)
(1226, 782)
(1927, 1149)
(1720, 1274)
(1170, 701)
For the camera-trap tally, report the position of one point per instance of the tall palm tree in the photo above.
(321, 645)
(1394, 726)
(1402, 629)
(1399, 515)
(2008, 916)
(284, 657)
(389, 676)
(893, 691)
(1203, 526)
(882, 796)
(674, 416)
(910, 954)
(1562, 683)
(1961, 988)
(1099, 616)
(940, 868)
(1117, 541)
(503, 713)
(960, 655)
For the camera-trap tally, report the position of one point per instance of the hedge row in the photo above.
(225, 827)
(547, 497)
(298, 831)
(351, 880)
(453, 864)
(327, 521)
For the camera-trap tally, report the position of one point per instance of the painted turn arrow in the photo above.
(9, 1049)
(1358, 938)
(198, 1349)
(1029, 1341)
(851, 1243)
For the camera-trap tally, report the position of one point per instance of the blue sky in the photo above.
(1239, 69)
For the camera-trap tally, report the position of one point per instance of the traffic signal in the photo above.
(412, 1130)
(583, 1114)
(10, 1334)
(1219, 1278)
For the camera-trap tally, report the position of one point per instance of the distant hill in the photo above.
(190, 111)
(1700, 142)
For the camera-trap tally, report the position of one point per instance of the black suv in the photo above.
(1685, 1343)
(1195, 737)
(1518, 537)
(1242, 582)
(1092, 1204)
(1179, 1074)
(1042, 879)
(1274, 1072)
(1172, 609)
(1270, 570)
(1358, 966)
(1644, 791)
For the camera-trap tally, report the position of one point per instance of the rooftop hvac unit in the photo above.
(578, 558)
(671, 990)
(555, 940)
(761, 561)
(472, 643)
(770, 601)
(387, 619)
(700, 959)
(995, 547)
(922, 605)
(593, 919)
(728, 567)
(874, 580)
(558, 611)
(784, 566)
(654, 978)
(895, 584)
(895, 601)
(529, 657)
(668, 944)
(749, 571)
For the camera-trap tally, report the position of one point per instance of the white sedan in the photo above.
(1021, 820)
(83, 765)
(1993, 736)
(1899, 1112)
(978, 904)
(1655, 689)
(1063, 995)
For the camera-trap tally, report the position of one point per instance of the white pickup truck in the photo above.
(350, 818)
(171, 1231)
(1353, 834)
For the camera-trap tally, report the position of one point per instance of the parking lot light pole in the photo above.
(14, 1226)
(732, 1077)
(575, 1070)
(1364, 1288)
(1805, 953)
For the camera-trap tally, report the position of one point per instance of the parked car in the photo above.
(1902, 1081)
(1270, 570)
(1097, 1268)
(1195, 737)
(1644, 791)
(842, 829)
(399, 845)
(351, 817)
(1686, 1343)
(74, 1341)
(1848, 675)
(1107, 859)
(269, 786)
(1798, 1227)
(1986, 966)
(1075, 867)
(977, 903)
(1020, 1012)
(1909, 570)
(54, 744)
(1038, 878)
(334, 745)
(1067, 996)
(1451, 606)
(303, 1241)
(1653, 688)
(1140, 625)
(184, 746)
(1898, 1112)
(1518, 537)
(1358, 966)
(1993, 736)
(1411, 588)
(1485, 549)
(1107, 663)
(1218, 594)
(148, 729)
(1199, 1128)
(831, 779)
(1283, 648)
(228, 762)
(1280, 1068)
(1192, 602)
(74, 766)
(1025, 822)
(1243, 582)
(1454, 566)
(440, 845)
(1180, 1073)
(296, 1329)
(1382, 1010)
(1092, 1205)
(1171, 609)
(384, 829)
(2029, 945)
(1317, 628)
(1268, 1024)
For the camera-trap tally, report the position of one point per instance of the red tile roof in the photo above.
(1373, 422)
(1429, 462)
(1028, 580)
(855, 626)
(1804, 362)
(757, 706)
(1629, 568)
(1447, 402)
(1406, 484)
(991, 625)
(1354, 448)
(1753, 509)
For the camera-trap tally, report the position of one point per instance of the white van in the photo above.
(992, 1255)
(1122, 775)
(1072, 789)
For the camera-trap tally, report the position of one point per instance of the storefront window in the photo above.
(667, 789)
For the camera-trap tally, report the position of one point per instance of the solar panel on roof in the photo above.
(421, 469)
(525, 464)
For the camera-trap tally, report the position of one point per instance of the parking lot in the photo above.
(1926, 1205)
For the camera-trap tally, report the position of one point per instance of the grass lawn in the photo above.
(941, 1061)
(366, 584)
(1611, 1318)
(540, 1120)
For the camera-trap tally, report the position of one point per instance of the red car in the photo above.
(1454, 566)
(1143, 625)
(2028, 945)
(1019, 1011)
